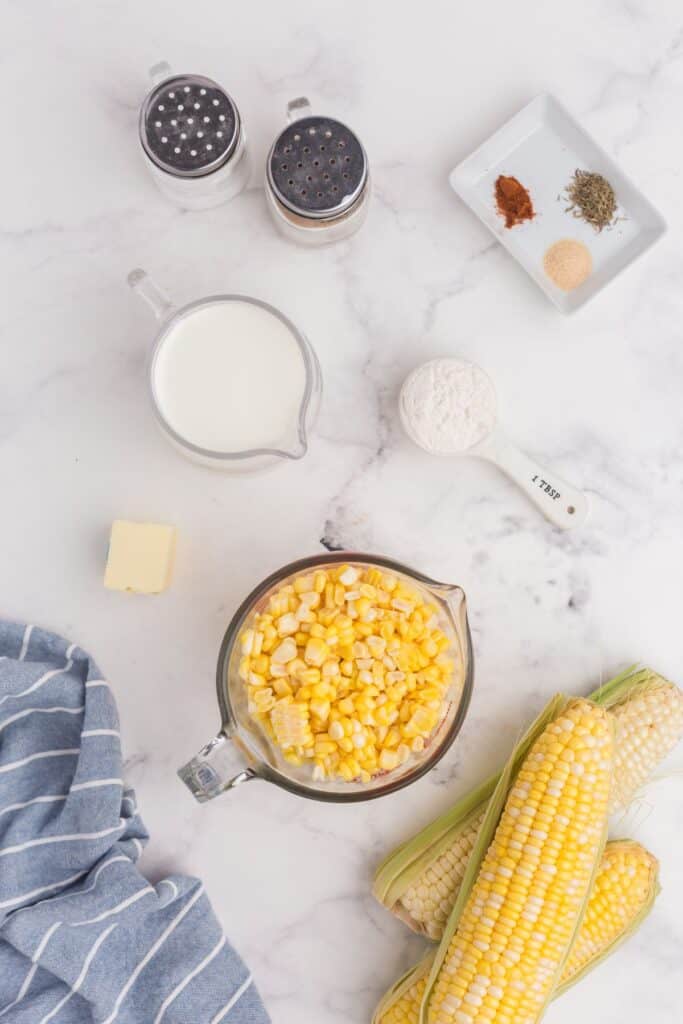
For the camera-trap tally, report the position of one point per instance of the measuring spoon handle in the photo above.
(564, 505)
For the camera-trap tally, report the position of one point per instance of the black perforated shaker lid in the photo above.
(189, 126)
(317, 167)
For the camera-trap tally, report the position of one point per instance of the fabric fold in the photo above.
(84, 937)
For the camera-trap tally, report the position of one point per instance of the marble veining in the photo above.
(596, 396)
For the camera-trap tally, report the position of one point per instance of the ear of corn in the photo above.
(419, 881)
(401, 1004)
(623, 894)
(526, 885)
(648, 724)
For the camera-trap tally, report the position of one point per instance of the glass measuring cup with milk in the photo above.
(234, 384)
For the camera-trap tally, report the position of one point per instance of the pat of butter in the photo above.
(141, 557)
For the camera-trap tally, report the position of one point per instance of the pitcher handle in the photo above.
(208, 774)
(143, 285)
(298, 108)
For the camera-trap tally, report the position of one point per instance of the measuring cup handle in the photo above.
(564, 505)
(142, 284)
(298, 108)
(209, 773)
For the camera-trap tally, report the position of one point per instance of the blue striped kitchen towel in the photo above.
(84, 938)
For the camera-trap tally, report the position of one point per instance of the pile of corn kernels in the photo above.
(347, 670)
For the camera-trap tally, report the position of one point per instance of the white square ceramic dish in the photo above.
(542, 146)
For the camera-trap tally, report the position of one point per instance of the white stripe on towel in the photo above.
(100, 732)
(25, 642)
(47, 840)
(231, 1002)
(40, 891)
(95, 784)
(81, 977)
(40, 682)
(97, 682)
(114, 910)
(28, 803)
(36, 757)
(150, 953)
(188, 978)
(66, 881)
(40, 711)
(34, 961)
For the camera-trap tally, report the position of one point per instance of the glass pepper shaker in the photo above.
(193, 139)
(317, 178)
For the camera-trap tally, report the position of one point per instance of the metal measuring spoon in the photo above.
(448, 407)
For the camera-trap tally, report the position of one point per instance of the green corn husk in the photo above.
(485, 837)
(405, 864)
(421, 970)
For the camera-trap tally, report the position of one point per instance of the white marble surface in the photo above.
(597, 396)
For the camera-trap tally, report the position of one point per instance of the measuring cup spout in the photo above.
(454, 597)
(296, 445)
(142, 284)
(210, 772)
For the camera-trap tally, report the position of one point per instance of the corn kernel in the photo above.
(287, 624)
(285, 652)
(303, 584)
(388, 760)
(260, 664)
(320, 708)
(281, 687)
(269, 637)
(348, 575)
(316, 651)
(319, 581)
(305, 614)
(336, 731)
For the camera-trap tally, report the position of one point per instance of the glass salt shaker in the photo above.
(193, 139)
(317, 178)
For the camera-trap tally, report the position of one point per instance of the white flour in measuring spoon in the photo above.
(447, 406)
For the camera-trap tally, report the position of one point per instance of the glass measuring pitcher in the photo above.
(234, 384)
(241, 751)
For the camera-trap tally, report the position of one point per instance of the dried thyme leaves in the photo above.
(592, 199)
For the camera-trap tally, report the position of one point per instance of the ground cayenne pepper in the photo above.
(513, 201)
